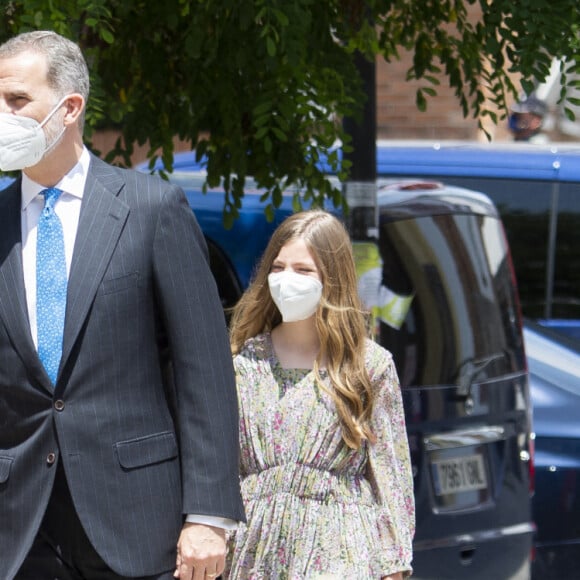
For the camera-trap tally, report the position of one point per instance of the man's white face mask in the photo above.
(23, 140)
(297, 296)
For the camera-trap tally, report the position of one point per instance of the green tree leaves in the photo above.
(261, 86)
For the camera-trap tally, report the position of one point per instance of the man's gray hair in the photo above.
(67, 70)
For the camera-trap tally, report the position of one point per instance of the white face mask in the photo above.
(22, 140)
(297, 296)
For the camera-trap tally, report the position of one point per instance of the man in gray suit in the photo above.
(118, 425)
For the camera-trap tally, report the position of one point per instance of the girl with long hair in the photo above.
(326, 475)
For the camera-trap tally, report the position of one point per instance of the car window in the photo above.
(542, 222)
(464, 313)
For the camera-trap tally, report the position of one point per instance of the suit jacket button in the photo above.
(51, 458)
(59, 405)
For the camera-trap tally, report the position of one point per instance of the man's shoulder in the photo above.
(102, 167)
(132, 179)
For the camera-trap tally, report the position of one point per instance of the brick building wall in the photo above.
(399, 118)
(397, 113)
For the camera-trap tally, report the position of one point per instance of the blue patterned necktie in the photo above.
(51, 283)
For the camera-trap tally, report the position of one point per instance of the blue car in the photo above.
(554, 367)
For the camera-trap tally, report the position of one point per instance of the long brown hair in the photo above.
(340, 319)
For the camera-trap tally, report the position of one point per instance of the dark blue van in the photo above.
(452, 321)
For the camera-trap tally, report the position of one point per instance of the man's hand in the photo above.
(201, 552)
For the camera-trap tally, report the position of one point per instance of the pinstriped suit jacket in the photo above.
(144, 412)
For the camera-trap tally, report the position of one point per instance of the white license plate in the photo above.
(458, 474)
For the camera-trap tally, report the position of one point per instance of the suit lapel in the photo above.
(13, 307)
(102, 218)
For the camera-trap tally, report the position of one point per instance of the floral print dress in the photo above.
(316, 508)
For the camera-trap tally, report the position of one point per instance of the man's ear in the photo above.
(75, 104)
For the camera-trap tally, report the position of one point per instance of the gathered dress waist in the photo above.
(307, 482)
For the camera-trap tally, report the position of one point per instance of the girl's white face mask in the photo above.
(297, 296)
(22, 140)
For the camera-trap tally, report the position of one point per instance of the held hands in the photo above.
(201, 552)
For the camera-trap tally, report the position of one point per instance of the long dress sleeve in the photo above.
(389, 464)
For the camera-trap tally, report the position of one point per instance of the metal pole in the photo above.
(360, 190)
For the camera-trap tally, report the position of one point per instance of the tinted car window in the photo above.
(542, 222)
(464, 315)
(566, 298)
(525, 208)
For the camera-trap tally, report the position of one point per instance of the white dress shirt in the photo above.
(68, 209)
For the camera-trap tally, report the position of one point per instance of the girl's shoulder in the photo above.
(255, 350)
(377, 358)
